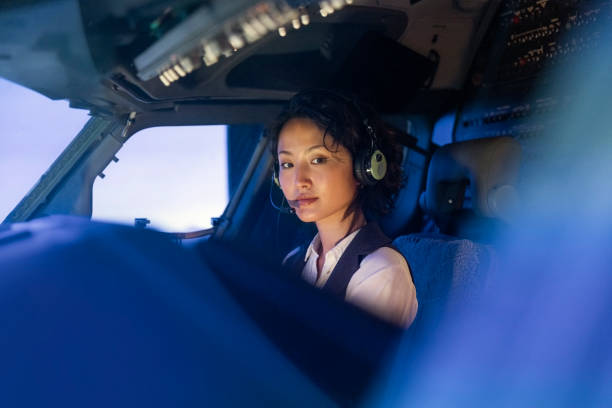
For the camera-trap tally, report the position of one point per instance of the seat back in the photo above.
(448, 272)
(471, 187)
(451, 266)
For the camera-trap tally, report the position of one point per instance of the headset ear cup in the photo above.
(370, 167)
(377, 165)
(361, 166)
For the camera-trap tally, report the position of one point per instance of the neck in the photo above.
(332, 231)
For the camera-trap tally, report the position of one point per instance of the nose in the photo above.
(302, 176)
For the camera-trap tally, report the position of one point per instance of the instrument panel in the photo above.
(514, 87)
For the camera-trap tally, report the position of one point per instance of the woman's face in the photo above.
(318, 183)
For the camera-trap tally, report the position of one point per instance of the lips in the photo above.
(302, 202)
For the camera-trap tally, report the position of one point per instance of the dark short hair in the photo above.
(345, 119)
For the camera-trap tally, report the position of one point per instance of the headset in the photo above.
(285, 209)
(369, 166)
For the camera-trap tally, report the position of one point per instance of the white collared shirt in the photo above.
(382, 285)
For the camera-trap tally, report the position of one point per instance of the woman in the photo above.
(338, 166)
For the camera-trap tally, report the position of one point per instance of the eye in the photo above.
(286, 165)
(319, 160)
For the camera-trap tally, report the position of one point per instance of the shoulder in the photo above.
(383, 285)
(385, 262)
(384, 256)
(384, 267)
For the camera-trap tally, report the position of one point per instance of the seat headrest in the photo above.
(485, 171)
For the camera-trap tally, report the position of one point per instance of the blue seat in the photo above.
(447, 272)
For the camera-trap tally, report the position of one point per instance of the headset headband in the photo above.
(351, 102)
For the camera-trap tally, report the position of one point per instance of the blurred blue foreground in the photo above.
(102, 315)
(542, 334)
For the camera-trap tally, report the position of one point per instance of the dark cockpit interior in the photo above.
(480, 93)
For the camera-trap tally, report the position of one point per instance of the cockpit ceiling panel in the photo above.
(116, 57)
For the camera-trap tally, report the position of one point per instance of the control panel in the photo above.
(513, 88)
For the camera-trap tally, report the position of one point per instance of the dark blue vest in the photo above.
(367, 240)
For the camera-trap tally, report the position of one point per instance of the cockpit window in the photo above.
(171, 178)
(33, 132)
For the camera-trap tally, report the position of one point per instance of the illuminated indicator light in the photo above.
(305, 18)
(186, 64)
(164, 80)
(327, 7)
(168, 77)
(282, 31)
(323, 12)
(236, 41)
(277, 16)
(295, 23)
(173, 74)
(349, 1)
(337, 4)
(259, 27)
(227, 52)
(287, 14)
(179, 70)
(212, 50)
(250, 33)
(266, 20)
(211, 53)
(290, 14)
(210, 60)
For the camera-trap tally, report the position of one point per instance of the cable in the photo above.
(282, 208)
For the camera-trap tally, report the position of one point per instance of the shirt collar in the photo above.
(316, 241)
(340, 246)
